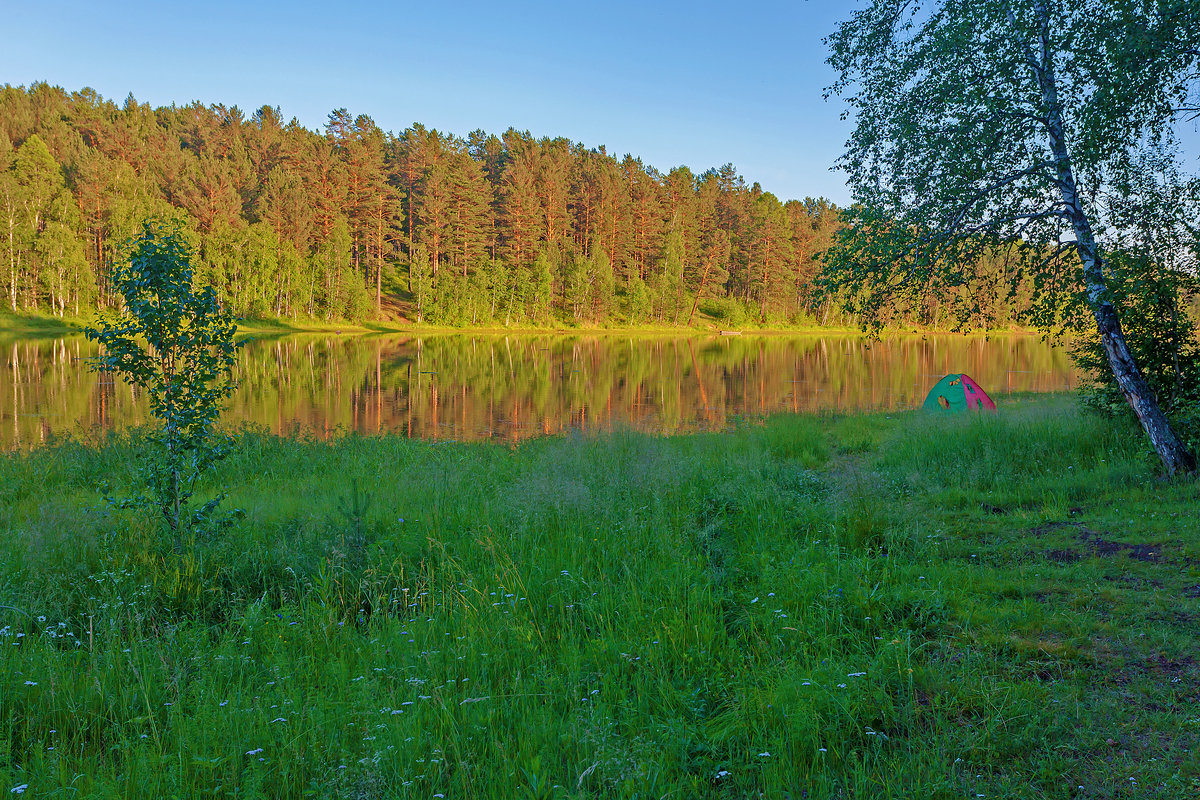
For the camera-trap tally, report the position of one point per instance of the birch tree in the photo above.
(1008, 124)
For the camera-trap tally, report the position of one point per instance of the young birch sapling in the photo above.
(175, 343)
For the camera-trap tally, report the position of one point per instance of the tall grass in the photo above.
(779, 610)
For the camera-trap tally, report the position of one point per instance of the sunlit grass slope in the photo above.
(856, 606)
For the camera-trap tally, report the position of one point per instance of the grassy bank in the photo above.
(856, 606)
(42, 324)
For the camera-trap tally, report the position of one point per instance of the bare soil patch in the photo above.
(1097, 544)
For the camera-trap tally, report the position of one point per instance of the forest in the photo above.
(357, 224)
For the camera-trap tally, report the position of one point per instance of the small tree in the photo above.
(176, 343)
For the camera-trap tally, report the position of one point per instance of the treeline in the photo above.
(355, 222)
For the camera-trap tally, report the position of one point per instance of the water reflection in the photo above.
(514, 387)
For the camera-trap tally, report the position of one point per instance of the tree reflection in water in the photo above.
(511, 387)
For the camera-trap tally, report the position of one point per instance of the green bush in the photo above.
(725, 309)
(1161, 332)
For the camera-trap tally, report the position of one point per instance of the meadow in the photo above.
(806, 606)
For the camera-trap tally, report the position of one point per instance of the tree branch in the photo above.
(1026, 218)
(1010, 178)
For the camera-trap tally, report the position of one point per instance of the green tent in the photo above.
(957, 393)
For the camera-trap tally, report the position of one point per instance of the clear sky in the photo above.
(672, 81)
(695, 83)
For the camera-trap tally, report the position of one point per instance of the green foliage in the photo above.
(576, 286)
(1161, 333)
(1042, 131)
(305, 225)
(420, 280)
(176, 344)
(952, 159)
(542, 288)
(603, 285)
(638, 301)
(726, 310)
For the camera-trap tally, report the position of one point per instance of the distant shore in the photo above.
(38, 324)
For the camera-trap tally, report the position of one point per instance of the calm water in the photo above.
(514, 387)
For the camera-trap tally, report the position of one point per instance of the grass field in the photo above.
(814, 607)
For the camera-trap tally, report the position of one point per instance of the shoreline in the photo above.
(37, 325)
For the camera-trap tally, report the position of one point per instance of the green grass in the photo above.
(823, 607)
(41, 323)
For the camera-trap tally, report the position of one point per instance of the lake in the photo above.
(511, 387)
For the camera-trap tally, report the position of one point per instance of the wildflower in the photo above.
(856, 674)
(722, 774)
(31, 683)
(19, 789)
(764, 754)
(279, 719)
(841, 686)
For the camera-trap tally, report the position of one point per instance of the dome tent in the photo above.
(957, 393)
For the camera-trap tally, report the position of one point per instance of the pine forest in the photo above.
(358, 224)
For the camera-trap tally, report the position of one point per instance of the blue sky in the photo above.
(693, 83)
